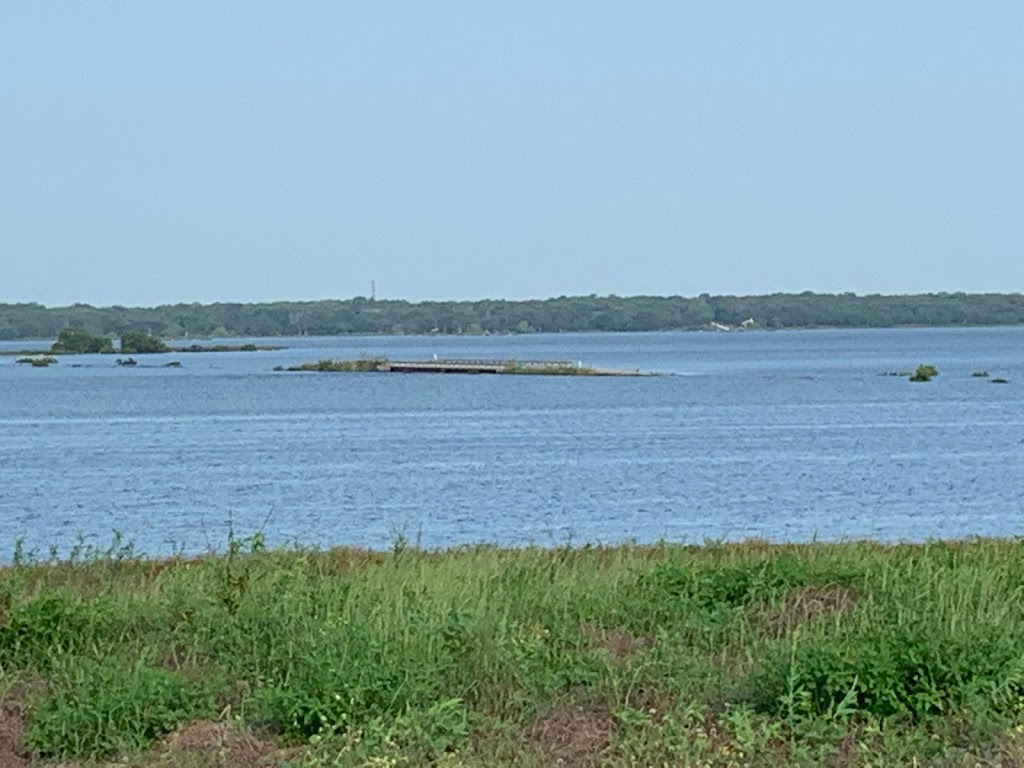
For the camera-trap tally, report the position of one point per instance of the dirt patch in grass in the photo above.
(1005, 752)
(12, 739)
(859, 745)
(22, 690)
(619, 643)
(346, 559)
(718, 737)
(17, 697)
(809, 603)
(208, 744)
(572, 736)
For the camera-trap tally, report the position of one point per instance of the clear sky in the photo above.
(155, 152)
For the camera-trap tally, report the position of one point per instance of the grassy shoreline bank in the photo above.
(744, 654)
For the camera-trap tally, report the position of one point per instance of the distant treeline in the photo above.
(563, 314)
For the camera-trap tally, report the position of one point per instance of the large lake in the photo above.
(785, 436)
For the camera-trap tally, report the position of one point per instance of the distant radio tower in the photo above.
(373, 290)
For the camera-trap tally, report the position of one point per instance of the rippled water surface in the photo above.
(786, 436)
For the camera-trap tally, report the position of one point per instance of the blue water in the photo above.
(786, 436)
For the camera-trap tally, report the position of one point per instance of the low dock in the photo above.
(466, 365)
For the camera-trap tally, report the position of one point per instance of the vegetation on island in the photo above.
(359, 365)
(727, 655)
(550, 369)
(927, 372)
(924, 373)
(361, 315)
(37, 362)
(140, 343)
(78, 341)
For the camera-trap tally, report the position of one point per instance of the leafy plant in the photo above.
(75, 341)
(924, 373)
(140, 342)
(112, 705)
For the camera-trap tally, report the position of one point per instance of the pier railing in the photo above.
(473, 365)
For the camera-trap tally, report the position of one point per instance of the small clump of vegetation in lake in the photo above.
(37, 362)
(747, 654)
(924, 373)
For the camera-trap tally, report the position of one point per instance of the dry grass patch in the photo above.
(17, 696)
(810, 603)
(208, 744)
(572, 736)
(12, 738)
(619, 643)
(1005, 752)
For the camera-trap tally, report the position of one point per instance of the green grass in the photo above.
(362, 364)
(748, 654)
(549, 369)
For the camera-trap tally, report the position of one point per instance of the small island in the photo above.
(37, 362)
(78, 341)
(458, 365)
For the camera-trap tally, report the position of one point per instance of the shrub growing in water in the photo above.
(924, 373)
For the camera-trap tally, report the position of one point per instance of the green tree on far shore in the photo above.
(563, 314)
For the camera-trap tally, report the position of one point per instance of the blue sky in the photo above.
(241, 151)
